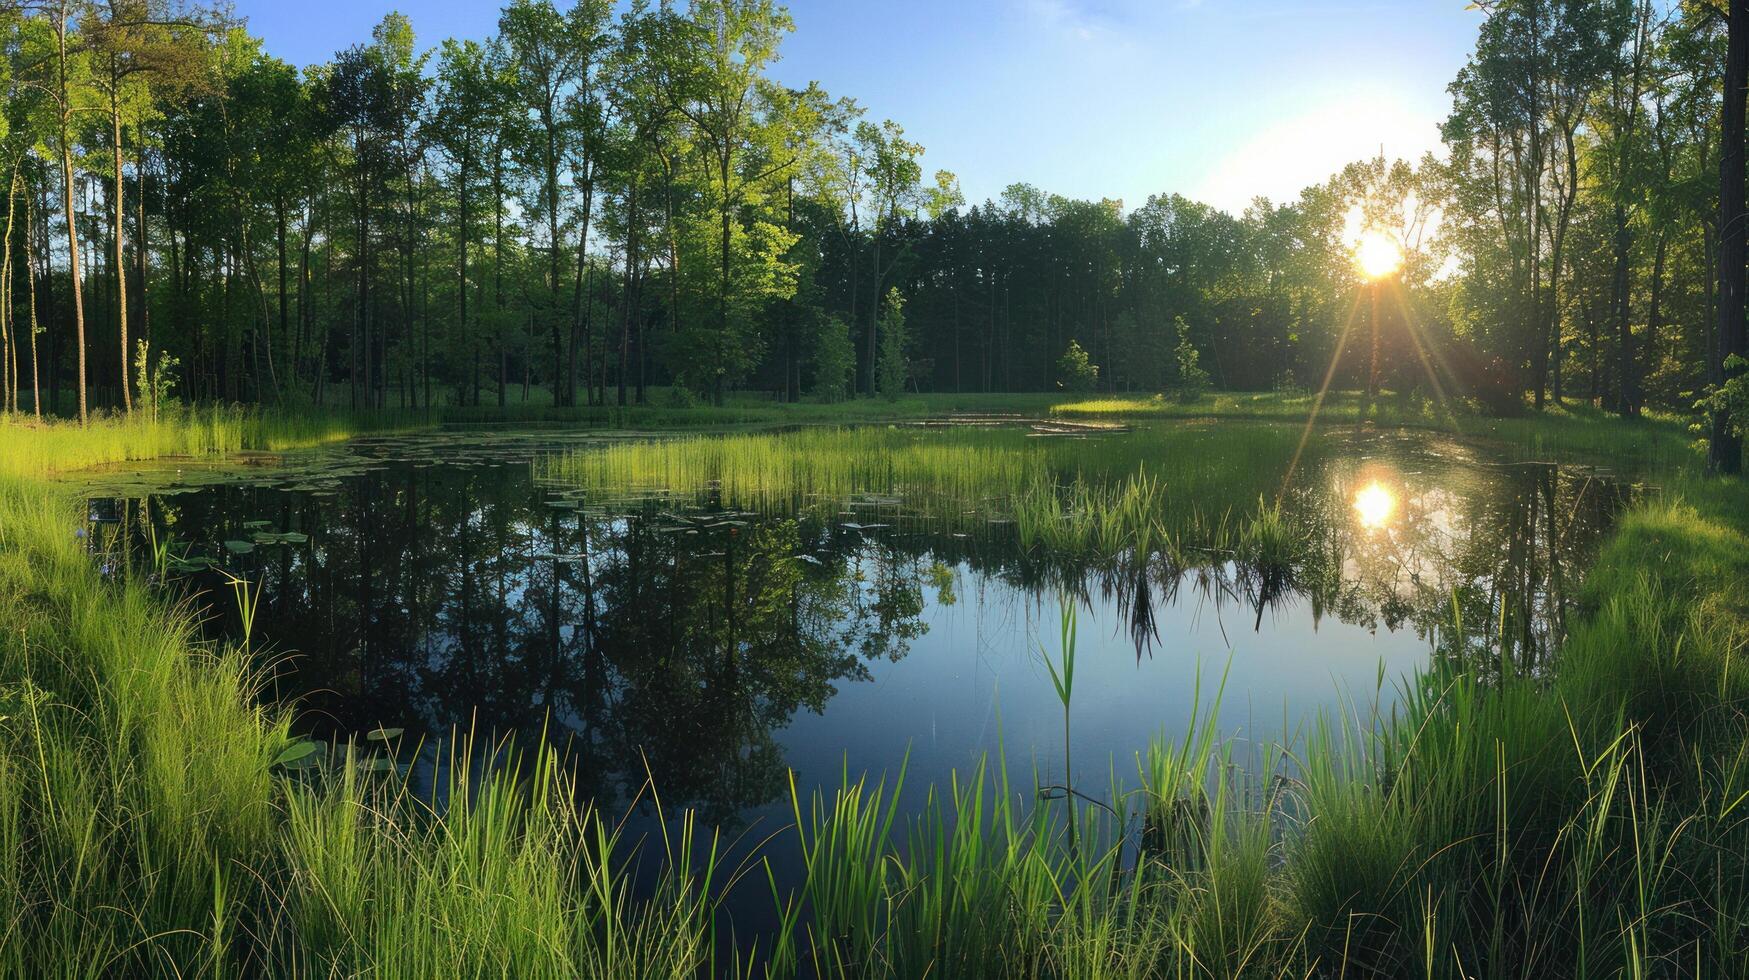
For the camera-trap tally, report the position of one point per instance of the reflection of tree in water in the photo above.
(682, 638)
(1503, 543)
(433, 597)
(1495, 552)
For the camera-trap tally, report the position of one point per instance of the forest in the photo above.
(605, 200)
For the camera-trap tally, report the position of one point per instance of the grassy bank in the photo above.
(1592, 824)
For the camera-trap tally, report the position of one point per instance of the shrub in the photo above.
(1193, 381)
(1076, 371)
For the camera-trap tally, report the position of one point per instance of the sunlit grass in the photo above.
(1083, 498)
(31, 449)
(1588, 823)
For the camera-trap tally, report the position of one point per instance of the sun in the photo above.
(1374, 505)
(1377, 255)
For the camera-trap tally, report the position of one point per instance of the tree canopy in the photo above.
(596, 201)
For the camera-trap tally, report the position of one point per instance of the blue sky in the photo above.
(1220, 100)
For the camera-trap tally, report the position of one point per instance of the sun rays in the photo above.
(1379, 260)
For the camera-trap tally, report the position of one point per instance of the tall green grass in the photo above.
(1074, 499)
(30, 449)
(145, 829)
(1593, 822)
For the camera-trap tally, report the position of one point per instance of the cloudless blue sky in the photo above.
(1216, 99)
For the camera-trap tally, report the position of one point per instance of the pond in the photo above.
(715, 612)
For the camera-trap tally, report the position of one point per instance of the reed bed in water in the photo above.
(32, 449)
(1146, 494)
(817, 462)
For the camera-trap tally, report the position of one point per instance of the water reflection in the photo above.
(715, 648)
(1374, 505)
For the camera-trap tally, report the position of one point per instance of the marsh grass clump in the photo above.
(145, 828)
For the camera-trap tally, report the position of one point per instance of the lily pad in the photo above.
(239, 547)
(297, 755)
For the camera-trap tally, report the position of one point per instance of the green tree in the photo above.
(554, 57)
(1192, 380)
(894, 369)
(1075, 370)
(834, 359)
(731, 43)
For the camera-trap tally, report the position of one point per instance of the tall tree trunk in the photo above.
(140, 241)
(301, 337)
(581, 304)
(498, 272)
(8, 323)
(1627, 402)
(625, 329)
(461, 282)
(121, 277)
(284, 322)
(723, 288)
(36, 394)
(563, 392)
(1654, 312)
(65, 108)
(1726, 453)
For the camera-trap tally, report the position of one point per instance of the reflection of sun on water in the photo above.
(1374, 504)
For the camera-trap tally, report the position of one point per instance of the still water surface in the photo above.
(434, 582)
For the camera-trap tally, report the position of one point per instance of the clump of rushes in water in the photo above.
(247, 598)
(1063, 681)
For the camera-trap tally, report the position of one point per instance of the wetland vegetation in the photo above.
(582, 502)
(653, 705)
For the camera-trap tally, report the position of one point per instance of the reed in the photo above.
(1084, 500)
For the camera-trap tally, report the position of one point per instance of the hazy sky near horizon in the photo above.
(1220, 100)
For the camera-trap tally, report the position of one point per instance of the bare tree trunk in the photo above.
(461, 282)
(1655, 311)
(581, 305)
(498, 273)
(140, 241)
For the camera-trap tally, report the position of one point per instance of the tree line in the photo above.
(601, 201)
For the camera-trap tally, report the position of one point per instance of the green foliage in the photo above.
(834, 357)
(1729, 400)
(1076, 371)
(894, 369)
(630, 199)
(154, 382)
(1192, 382)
